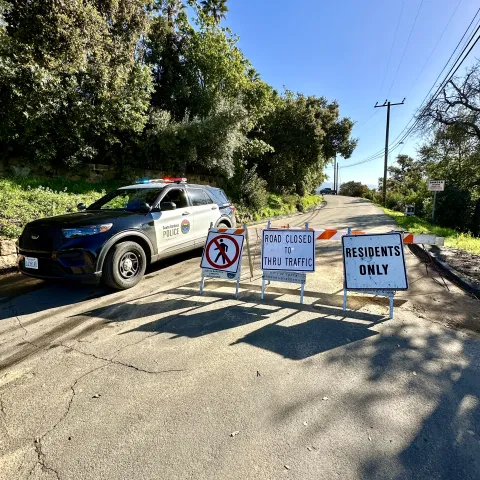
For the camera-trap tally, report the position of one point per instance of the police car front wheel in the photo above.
(124, 266)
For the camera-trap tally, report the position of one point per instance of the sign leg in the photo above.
(391, 306)
(236, 289)
(247, 241)
(302, 293)
(202, 284)
(263, 289)
(344, 299)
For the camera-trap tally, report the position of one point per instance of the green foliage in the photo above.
(71, 80)
(308, 202)
(413, 224)
(305, 133)
(248, 190)
(139, 84)
(454, 208)
(27, 199)
(353, 189)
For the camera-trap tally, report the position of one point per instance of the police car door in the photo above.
(174, 228)
(205, 211)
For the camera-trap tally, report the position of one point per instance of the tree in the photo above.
(454, 118)
(457, 104)
(353, 189)
(305, 133)
(72, 81)
(216, 8)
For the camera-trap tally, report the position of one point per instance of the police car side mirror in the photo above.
(81, 206)
(166, 206)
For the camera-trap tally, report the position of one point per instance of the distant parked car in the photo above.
(328, 191)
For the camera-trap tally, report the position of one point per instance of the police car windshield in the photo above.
(129, 199)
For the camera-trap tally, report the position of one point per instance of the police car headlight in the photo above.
(86, 231)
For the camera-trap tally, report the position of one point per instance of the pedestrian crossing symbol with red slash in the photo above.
(223, 251)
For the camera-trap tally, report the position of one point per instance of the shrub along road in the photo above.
(158, 382)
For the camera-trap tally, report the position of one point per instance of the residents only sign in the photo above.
(291, 250)
(374, 262)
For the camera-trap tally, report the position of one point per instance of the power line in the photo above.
(405, 49)
(391, 49)
(414, 118)
(406, 131)
(436, 45)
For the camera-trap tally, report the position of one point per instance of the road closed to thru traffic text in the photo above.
(222, 252)
(291, 250)
(374, 262)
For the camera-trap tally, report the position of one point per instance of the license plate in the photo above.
(31, 262)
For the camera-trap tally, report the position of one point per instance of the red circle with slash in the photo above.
(229, 262)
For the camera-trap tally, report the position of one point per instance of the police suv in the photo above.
(115, 238)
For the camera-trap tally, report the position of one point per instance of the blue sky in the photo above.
(340, 49)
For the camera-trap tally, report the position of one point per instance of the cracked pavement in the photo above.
(159, 382)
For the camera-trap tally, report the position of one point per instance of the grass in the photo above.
(279, 205)
(462, 241)
(26, 199)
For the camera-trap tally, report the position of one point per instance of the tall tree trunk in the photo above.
(476, 219)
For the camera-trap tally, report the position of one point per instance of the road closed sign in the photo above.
(222, 252)
(291, 250)
(374, 262)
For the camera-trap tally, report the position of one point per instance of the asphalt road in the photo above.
(160, 383)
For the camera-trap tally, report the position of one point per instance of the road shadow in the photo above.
(366, 222)
(22, 295)
(188, 317)
(306, 339)
(437, 431)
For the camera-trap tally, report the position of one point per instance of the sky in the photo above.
(357, 52)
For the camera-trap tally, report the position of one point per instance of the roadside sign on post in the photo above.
(436, 185)
(374, 264)
(222, 256)
(287, 256)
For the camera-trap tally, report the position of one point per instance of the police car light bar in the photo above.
(174, 180)
(161, 180)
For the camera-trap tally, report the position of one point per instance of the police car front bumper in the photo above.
(76, 265)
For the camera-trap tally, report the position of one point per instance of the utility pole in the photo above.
(336, 188)
(388, 105)
(335, 172)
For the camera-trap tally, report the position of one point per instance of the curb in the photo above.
(454, 275)
(281, 217)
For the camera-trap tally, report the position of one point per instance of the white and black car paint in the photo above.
(115, 238)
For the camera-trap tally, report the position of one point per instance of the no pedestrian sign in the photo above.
(291, 250)
(374, 262)
(222, 252)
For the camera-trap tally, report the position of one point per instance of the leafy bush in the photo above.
(27, 199)
(248, 189)
(454, 208)
(310, 201)
(353, 189)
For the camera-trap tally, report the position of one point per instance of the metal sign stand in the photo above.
(302, 283)
(378, 293)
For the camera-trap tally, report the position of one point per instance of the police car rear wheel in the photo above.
(124, 266)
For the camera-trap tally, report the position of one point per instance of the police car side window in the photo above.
(198, 197)
(177, 196)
